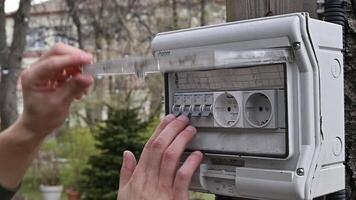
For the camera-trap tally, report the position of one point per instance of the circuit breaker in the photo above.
(266, 96)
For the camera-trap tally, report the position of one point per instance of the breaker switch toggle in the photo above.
(197, 110)
(176, 109)
(207, 110)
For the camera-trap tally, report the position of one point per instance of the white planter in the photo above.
(51, 192)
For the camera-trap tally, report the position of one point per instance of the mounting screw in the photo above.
(296, 45)
(300, 171)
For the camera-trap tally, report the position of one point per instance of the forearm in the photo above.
(18, 145)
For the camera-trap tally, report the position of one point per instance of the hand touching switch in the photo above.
(157, 175)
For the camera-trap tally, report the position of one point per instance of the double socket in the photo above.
(232, 109)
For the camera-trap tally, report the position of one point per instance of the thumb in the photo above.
(128, 167)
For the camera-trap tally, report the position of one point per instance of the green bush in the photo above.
(76, 145)
(121, 131)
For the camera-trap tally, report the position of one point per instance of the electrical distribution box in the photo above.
(266, 96)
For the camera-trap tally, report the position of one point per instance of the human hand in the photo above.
(158, 176)
(50, 85)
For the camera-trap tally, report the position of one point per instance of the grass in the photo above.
(201, 196)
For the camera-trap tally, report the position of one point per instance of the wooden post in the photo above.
(247, 9)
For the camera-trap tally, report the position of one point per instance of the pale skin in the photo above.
(49, 86)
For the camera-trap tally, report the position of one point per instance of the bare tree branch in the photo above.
(202, 12)
(73, 12)
(175, 14)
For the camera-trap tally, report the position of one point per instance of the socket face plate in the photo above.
(258, 109)
(233, 109)
(226, 110)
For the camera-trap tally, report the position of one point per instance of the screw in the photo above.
(296, 45)
(300, 171)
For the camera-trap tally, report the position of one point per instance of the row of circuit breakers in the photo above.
(238, 109)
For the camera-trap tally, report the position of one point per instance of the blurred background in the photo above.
(120, 112)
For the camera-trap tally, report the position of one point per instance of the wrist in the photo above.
(28, 131)
(38, 126)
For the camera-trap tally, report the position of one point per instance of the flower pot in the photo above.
(73, 194)
(51, 192)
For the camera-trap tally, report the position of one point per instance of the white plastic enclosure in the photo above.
(267, 101)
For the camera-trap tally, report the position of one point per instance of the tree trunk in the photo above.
(3, 55)
(11, 59)
(3, 45)
(246, 9)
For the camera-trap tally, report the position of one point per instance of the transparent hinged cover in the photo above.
(269, 76)
(222, 59)
(128, 65)
(188, 61)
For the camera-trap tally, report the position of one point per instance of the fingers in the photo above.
(154, 150)
(168, 119)
(146, 151)
(164, 139)
(172, 156)
(76, 87)
(145, 160)
(61, 49)
(53, 66)
(159, 161)
(128, 167)
(184, 174)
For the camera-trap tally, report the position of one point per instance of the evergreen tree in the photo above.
(123, 130)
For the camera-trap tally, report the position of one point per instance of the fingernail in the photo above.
(124, 156)
(86, 57)
(170, 118)
(90, 56)
(183, 118)
(198, 153)
(191, 128)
